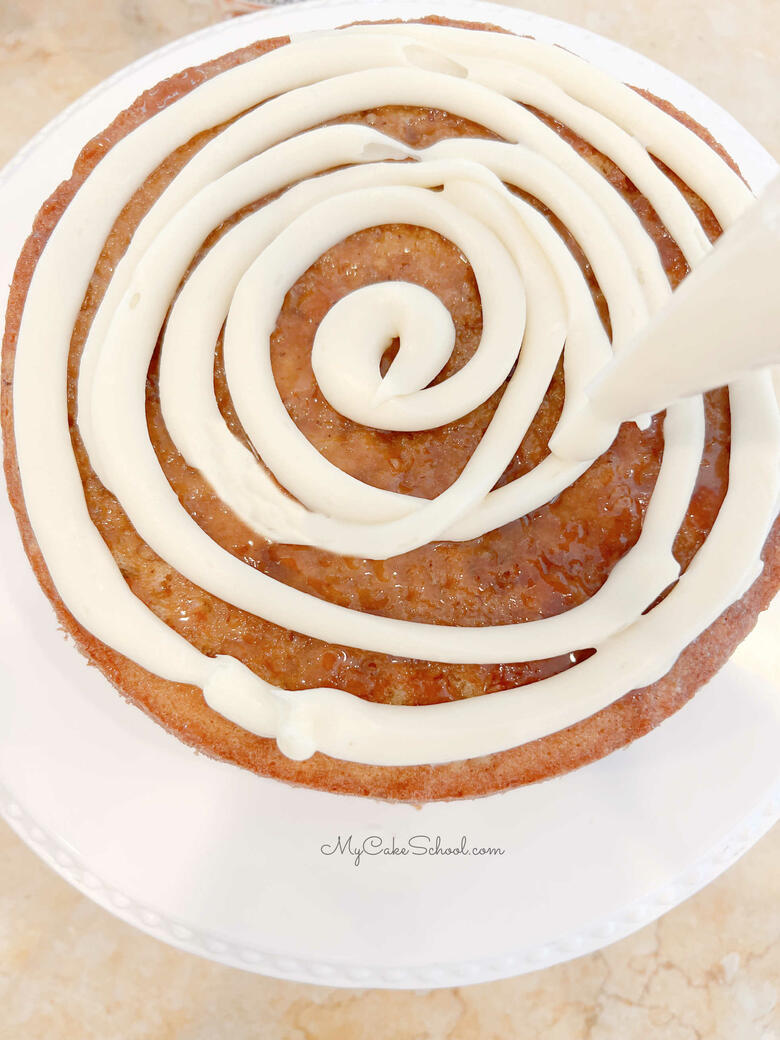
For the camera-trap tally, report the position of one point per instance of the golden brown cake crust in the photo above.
(182, 710)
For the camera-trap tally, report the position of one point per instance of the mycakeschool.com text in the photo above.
(358, 848)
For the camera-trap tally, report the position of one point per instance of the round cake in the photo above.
(283, 365)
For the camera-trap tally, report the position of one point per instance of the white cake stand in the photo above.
(221, 863)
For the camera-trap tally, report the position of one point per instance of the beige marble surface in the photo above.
(709, 970)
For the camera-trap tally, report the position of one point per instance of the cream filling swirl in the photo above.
(536, 306)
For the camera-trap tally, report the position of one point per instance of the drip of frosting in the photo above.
(330, 181)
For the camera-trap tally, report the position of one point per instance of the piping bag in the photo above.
(722, 322)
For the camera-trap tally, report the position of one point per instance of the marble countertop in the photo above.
(709, 970)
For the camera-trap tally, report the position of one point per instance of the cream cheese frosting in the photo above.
(331, 182)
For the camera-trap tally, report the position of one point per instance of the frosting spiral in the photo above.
(326, 183)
